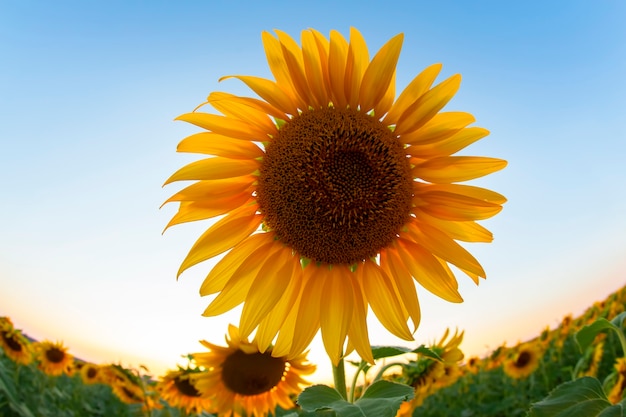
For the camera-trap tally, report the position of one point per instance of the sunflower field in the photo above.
(44, 379)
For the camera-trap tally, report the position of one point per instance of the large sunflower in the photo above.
(54, 358)
(243, 381)
(15, 345)
(336, 195)
(177, 388)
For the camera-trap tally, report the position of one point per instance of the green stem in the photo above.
(339, 376)
(380, 373)
(622, 339)
(355, 379)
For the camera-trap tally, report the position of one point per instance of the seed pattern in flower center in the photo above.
(11, 342)
(252, 374)
(185, 387)
(523, 359)
(55, 355)
(335, 185)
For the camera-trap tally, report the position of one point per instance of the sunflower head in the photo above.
(90, 373)
(54, 358)
(15, 345)
(178, 389)
(333, 188)
(523, 360)
(243, 379)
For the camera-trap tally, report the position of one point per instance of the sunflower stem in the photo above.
(339, 377)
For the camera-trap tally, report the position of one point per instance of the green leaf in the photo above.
(618, 320)
(587, 334)
(429, 353)
(583, 397)
(380, 352)
(381, 399)
(319, 397)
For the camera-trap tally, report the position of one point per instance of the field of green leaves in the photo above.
(580, 364)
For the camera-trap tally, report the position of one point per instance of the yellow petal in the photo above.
(267, 289)
(427, 106)
(214, 169)
(227, 126)
(357, 332)
(442, 246)
(449, 169)
(308, 319)
(223, 235)
(391, 263)
(386, 102)
(323, 47)
(278, 66)
(274, 321)
(472, 191)
(298, 79)
(214, 189)
(191, 211)
(356, 63)
(428, 271)
(466, 231)
(455, 143)
(337, 55)
(213, 144)
(418, 86)
(269, 91)
(451, 206)
(379, 73)
(442, 126)
(226, 267)
(382, 298)
(336, 312)
(313, 68)
(237, 288)
(232, 106)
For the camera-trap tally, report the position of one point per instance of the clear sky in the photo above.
(89, 91)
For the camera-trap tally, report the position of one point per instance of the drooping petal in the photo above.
(191, 211)
(466, 231)
(453, 144)
(379, 73)
(269, 91)
(267, 289)
(444, 247)
(202, 190)
(391, 263)
(223, 235)
(449, 169)
(383, 300)
(214, 169)
(428, 271)
(224, 269)
(357, 332)
(451, 206)
(336, 312)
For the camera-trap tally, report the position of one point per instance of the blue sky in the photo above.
(89, 91)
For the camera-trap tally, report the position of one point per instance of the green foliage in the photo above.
(381, 399)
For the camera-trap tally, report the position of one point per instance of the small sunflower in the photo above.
(241, 380)
(90, 373)
(619, 388)
(123, 384)
(15, 345)
(53, 358)
(523, 361)
(336, 194)
(178, 389)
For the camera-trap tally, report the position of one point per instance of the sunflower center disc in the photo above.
(252, 374)
(55, 355)
(335, 185)
(186, 388)
(11, 342)
(522, 360)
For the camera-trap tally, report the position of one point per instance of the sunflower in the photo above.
(177, 388)
(15, 345)
(619, 388)
(241, 380)
(53, 358)
(524, 361)
(90, 373)
(335, 195)
(123, 384)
